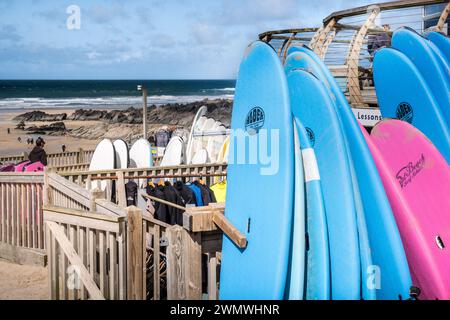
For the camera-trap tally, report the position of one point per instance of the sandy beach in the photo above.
(20, 282)
(9, 144)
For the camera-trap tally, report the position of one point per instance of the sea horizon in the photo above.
(25, 94)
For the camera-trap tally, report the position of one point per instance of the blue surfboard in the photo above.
(387, 250)
(317, 269)
(312, 105)
(442, 42)
(420, 52)
(260, 179)
(303, 61)
(404, 94)
(297, 264)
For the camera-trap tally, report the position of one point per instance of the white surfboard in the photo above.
(141, 157)
(173, 156)
(122, 154)
(201, 157)
(200, 113)
(197, 142)
(103, 159)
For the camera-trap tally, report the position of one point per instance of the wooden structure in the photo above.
(343, 38)
(97, 249)
(123, 253)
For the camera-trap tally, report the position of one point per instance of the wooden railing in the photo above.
(21, 223)
(54, 159)
(105, 179)
(60, 192)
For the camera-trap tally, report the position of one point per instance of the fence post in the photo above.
(135, 259)
(120, 186)
(79, 155)
(184, 264)
(47, 194)
(95, 194)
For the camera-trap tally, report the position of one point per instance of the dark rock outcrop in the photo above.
(169, 114)
(54, 127)
(84, 115)
(40, 116)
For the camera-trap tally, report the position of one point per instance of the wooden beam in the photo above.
(209, 218)
(391, 5)
(320, 37)
(352, 62)
(269, 34)
(135, 259)
(443, 17)
(234, 234)
(19, 177)
(121, 193)
(171, 204)
(323, 50)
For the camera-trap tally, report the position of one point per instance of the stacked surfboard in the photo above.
(329, 211)
(418, 69)
(207, 142)
(413, 155)
(110, 155)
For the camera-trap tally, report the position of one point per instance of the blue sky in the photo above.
(153, 39)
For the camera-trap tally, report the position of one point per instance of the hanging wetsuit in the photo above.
(131, 190)
(171, 195)
(160, 208)
(186, 193)
(198, 194)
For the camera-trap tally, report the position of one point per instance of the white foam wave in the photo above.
(102, 102)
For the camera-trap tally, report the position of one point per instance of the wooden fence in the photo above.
(54, 159)
(99, 250)
(106, 179)
(21, 222)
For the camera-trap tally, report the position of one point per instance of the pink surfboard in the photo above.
(19, 167)
(34, 167)
(417, 181)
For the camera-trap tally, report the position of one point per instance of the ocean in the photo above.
(107, 94)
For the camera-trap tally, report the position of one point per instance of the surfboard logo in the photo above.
(311, 136)
(254, 120)
(406, 174)
(405, 112)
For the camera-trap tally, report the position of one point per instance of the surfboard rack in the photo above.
(210, 218)
(207, 218)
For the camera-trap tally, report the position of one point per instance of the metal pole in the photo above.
(144, 112)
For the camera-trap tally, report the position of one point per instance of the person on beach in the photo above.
(19, 139)
(38, 153)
